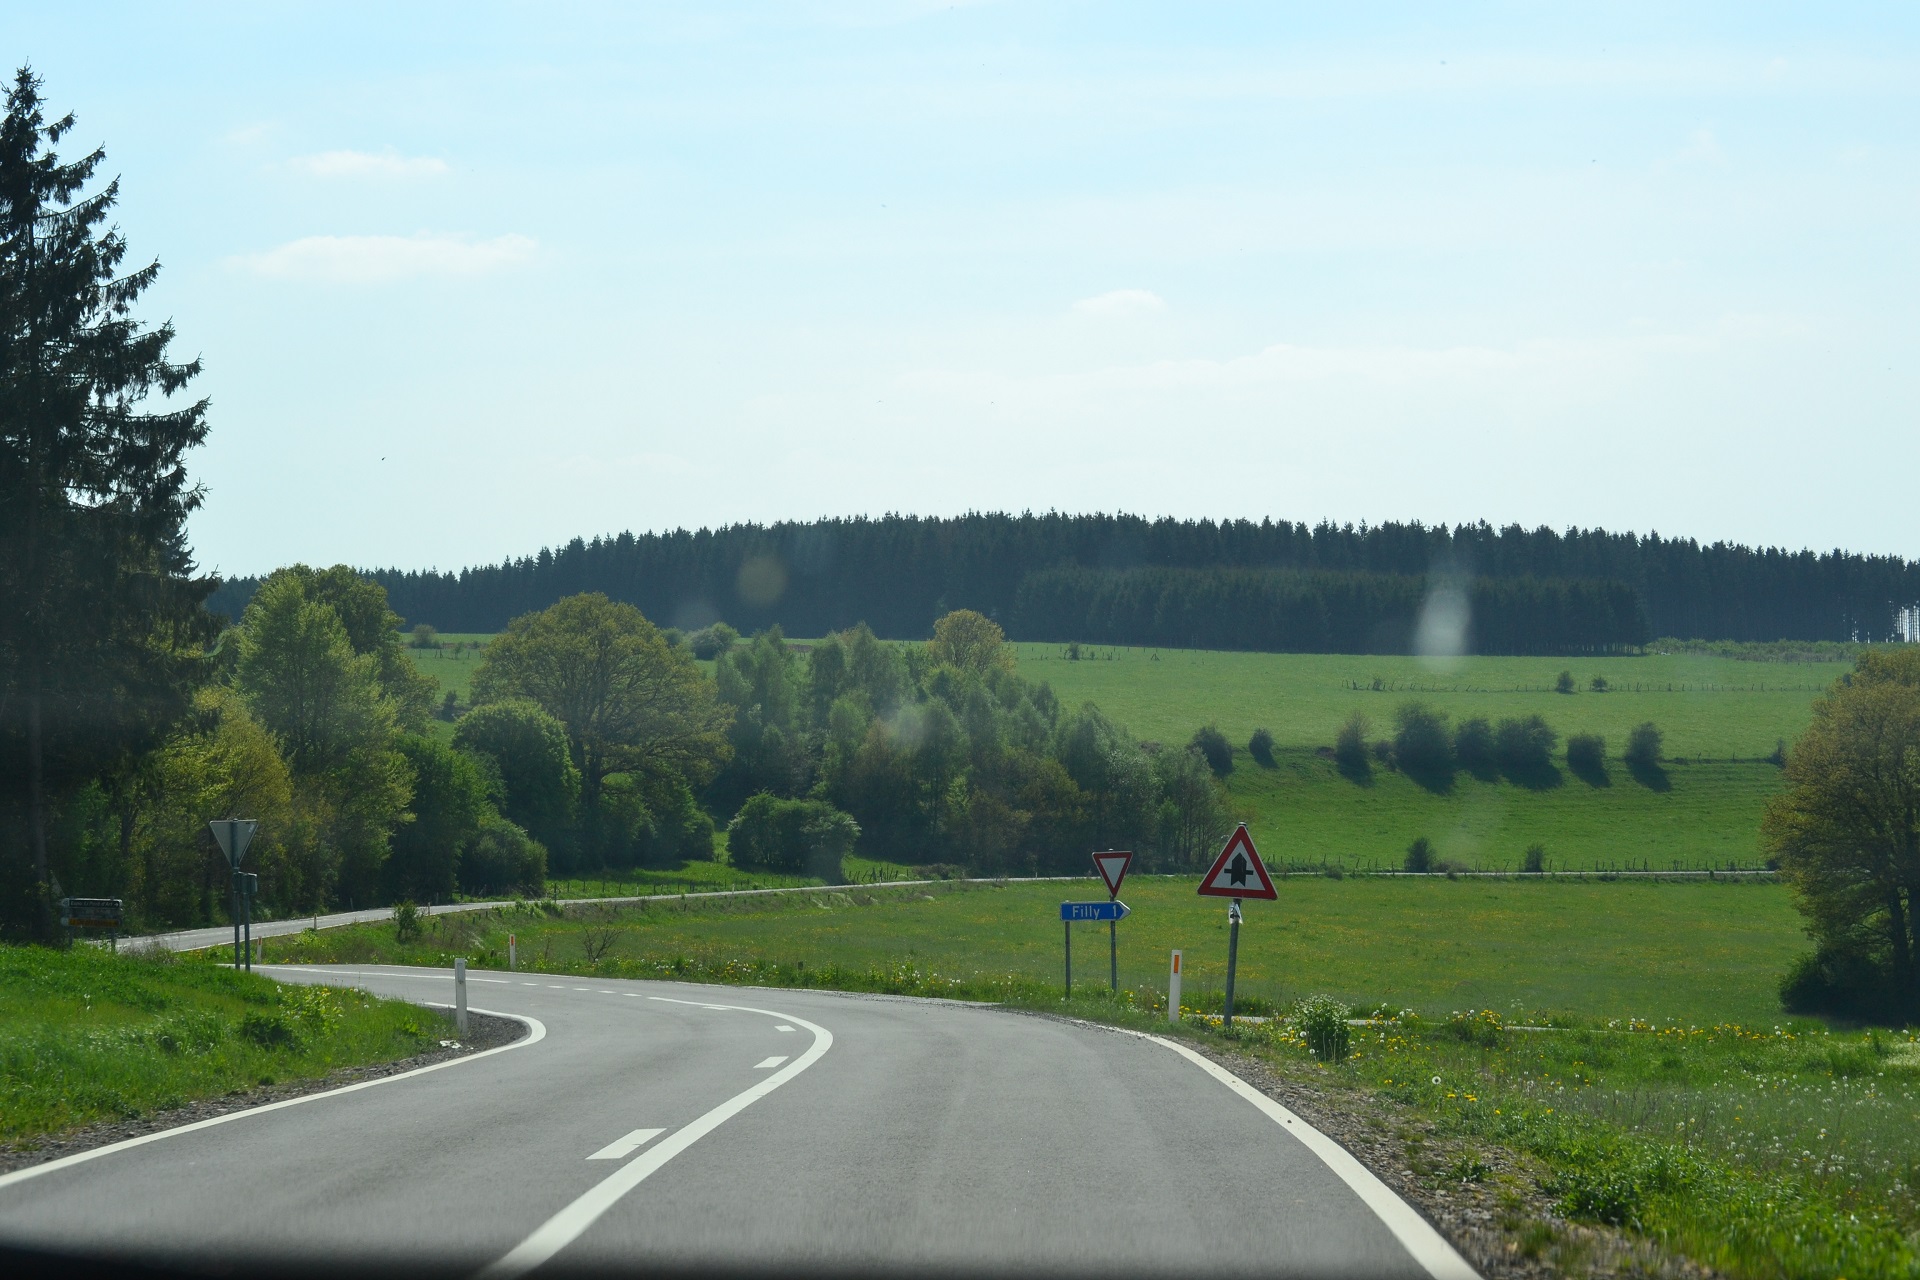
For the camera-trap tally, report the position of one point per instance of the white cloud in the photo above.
(370, 259)
(369, 164)
(1121, 302)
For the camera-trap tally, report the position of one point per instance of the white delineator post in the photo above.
(513, 954)
(1173, 990)
(460, 995)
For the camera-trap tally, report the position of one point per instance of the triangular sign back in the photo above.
(1112, 866)
(1238, 871)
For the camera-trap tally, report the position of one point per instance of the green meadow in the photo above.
(1696, 952)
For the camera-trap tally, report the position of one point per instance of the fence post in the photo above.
(460, 995)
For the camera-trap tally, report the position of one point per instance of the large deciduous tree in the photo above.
(629, 700)
(1846, 832)
(102, 623)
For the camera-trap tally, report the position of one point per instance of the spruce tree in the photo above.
(102, 625)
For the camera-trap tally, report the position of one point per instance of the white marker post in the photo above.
(513, 954)
(460, 994)
(1173, 990)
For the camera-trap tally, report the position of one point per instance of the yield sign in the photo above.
(1237, 872)
(234, 835)
(1112, 866)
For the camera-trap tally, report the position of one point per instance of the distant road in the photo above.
(657, 1125)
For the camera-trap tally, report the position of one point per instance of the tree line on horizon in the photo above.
(1271, 585)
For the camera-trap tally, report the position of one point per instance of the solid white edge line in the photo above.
(1415, 1234)
(566, 1226)
(536, 1032)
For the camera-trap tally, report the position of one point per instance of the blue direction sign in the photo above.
(1071, 911)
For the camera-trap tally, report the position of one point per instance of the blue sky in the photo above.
(473, 279)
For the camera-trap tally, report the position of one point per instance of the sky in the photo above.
(473, 279)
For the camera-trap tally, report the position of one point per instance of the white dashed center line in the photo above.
(783, 1027)
(774, 1061)
(621, 1148)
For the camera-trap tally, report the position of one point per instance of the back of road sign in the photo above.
(234, 835)
(1237, 872)
(1112, 866)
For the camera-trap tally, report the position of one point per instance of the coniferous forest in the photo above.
(1271, 585)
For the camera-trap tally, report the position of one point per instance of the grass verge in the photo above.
(87, 1035)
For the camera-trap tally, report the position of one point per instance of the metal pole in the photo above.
(235, 903)
(1113, 954)
(1173, 990)
(1233, 954)
(460, 994)
(246, 915)
(1067, 925)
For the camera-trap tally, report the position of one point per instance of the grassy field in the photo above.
(1710, 708)
(1721, 717)
(86, 1035)
(1696, 952)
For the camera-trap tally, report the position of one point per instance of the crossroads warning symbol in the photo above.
(1237, 872)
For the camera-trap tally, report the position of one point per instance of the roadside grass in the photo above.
(1698, 952)
(1668, 1097)
(705, 877)
(1760, 1151)
(87, 1035)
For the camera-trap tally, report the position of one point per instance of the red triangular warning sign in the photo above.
(1237, 872)
(1112, 866)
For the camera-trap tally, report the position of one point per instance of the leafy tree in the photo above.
(760, 681)
(1423, 746)
(1420, 855)
(1523, 746)
(373, 630)
(502, 859)
(628, 701)
(799, 837)
(1643, 746)
(1473, 748)
(1194, 818)
(1214, 749)
(1587, 757)
(300, 676)
(1846, 833)
(970, 641)
(539, 784)
(450, 803)
(1563, 683)
(102, 625)
(1535, 861)
(1260, 747)
(424, 637)
(1350, 749)
(710, 642)
(1598, 684)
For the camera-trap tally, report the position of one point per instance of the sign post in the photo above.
(234, 835)
(1112, 866)
(1237, 873)
(1109, 911)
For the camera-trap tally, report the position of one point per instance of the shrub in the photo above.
(1420, 855)
(710, 642)
(1536, 859)
(1260, 747)
(1473, 748)
(1322, 1022)
(1524, 748)
(1422, 747)
(1598, 684)
(1643, 747)
(1586, 753)
(1214, 749)
(805, 837)
(425, 637)
(406, 921)
(1350, 748)
(503, 859)
(1564, 684)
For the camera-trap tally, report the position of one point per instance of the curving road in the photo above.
(668, 1125)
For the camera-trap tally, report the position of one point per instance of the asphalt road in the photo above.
(648, 1124)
